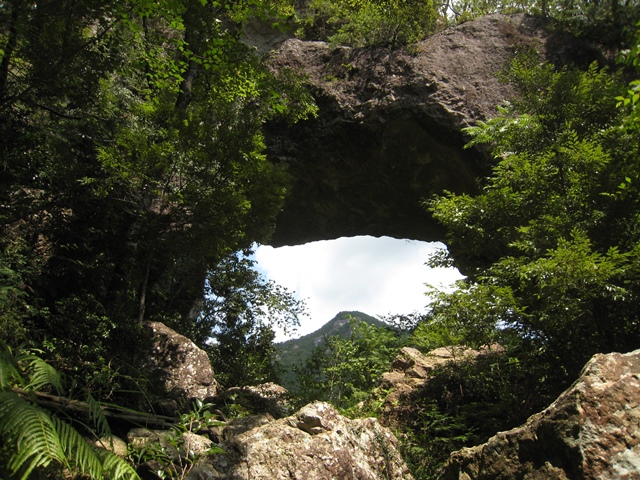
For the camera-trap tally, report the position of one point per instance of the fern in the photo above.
(9, 369)
(100, 424)
(37, 439)
(115, 467)
(41, 374)
(31, 432)
(91, 461)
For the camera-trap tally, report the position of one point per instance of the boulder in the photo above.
(389, 129)
(592, 431)
(161, 451)
(316, 443)
(111, 443)
(183, 369)
(264, 398)
(412, 367)
(410, 370)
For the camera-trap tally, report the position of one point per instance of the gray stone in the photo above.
(183, 369)
(592, 431)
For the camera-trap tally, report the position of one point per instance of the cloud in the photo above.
(373, 275)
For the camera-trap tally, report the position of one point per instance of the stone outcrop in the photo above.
(316, 443)
(411, 367)
(410, 370)
(592, 431)
(389, 129)
(183, 370)
(267, 398)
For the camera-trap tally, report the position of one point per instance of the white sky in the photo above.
(376, 276)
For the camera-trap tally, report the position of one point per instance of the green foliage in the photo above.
(465, 10)
(344, 371)
(172, 450)
(38, 440)
(367, 23)
(295, 352)
(610, 23)
(550, 251)
(548, 246)
(463, 404)
(631, 59)
(236, 326)
(132, 159)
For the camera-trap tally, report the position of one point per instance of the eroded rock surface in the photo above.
(592, 431)
(183, 369)
(264, 398)
(411, 370)
(389, 130)
(316, 443)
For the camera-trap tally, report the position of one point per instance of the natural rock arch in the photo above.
(390, 127)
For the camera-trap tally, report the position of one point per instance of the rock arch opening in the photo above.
(390, 129)
(374, 275)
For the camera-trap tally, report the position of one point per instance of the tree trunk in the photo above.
(12, 42)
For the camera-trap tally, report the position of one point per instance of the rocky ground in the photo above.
(592, 431)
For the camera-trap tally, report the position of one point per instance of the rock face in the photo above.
(267, 398)
(183, 369)
(592, 431)
(314, 444)
(412, 367)
(389, 130)
(409, 371)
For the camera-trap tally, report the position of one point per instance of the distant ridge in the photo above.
(296, 351)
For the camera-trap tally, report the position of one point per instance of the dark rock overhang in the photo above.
(389, 133)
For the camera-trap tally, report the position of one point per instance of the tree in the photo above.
(131, 148)
(550, 246)
(610, 23)
(367, 23)
(237, 323)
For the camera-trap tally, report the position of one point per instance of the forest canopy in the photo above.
(133, 163)
(134, 182)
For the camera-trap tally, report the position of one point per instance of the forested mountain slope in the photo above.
(295, 352)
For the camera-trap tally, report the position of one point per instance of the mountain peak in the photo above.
(297, 351)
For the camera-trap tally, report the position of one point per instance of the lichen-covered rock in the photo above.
(592, 431)
(317, 443)
(256, 399)
(183, 369)
(111, 443)
(412, 367)
(389, 129)
(410, 370)
(159, 451)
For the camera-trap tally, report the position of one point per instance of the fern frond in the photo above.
(91, 461)
(36, 439)
(9, 369)
(82, 457)
(31, 431)
(41, 374)
(116, 467)
(96, 414)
